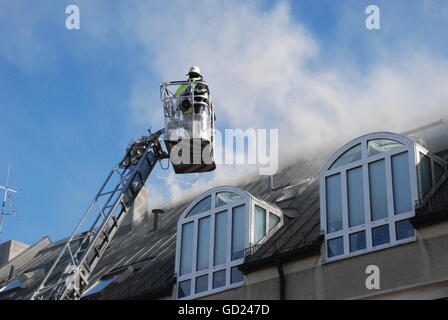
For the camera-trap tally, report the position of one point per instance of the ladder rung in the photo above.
(106, 235)
(109, 192)
(87, 267)
(97, 251)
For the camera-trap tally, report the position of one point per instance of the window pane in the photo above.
(335, 247)
(334, 203)
(236, 275)
(382, 145)
(351, 155)
(355, 194)
(203, 244)
(226, 197)
(378, 193)
(186, 251)
(238, 232)
(202, 206)
(220, 248)
(273, 220)
(260, 224)
(380, 235)
(439, 171)
(424, 174)
(201, 284)
(184, 289)
(358, 241)
(404, 229)
(401, 183)
(219, 279)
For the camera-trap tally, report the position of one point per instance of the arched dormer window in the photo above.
(368, 189)
(212, 235)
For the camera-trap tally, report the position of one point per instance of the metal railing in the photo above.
(435, 203)
(280, 244)
(129, 290)
(172, 102)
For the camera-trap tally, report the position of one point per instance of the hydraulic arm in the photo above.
(69, 275)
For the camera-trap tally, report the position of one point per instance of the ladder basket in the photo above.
(189, 128)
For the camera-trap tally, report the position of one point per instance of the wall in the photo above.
(417, 270)
(10, 249)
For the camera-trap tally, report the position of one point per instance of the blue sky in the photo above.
(70, 101)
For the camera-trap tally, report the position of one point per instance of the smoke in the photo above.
(257, 63)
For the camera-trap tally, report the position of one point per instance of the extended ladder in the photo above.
(69, 275)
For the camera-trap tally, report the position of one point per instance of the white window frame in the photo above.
(408, 146)
(249, 201)
(433, 159)
(269, 209)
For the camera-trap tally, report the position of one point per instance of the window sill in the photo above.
(213, 291)
(367, 251)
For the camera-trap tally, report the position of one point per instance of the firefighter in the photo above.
(200, 90)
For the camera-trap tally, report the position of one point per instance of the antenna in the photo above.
(7, 199)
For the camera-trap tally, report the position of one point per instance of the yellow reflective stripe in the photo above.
(181, 89)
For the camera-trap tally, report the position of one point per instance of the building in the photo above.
(369, 221)
(10, 249)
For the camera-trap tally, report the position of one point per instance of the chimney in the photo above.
(157, 218)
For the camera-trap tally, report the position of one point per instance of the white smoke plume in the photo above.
(257, 65)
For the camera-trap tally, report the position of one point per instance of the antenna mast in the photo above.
(7, 199)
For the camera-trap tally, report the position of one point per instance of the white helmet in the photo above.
(194, 69)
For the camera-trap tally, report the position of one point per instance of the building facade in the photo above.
(367, 221)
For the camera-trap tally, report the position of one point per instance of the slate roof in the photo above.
(156, 276)
(151, 254)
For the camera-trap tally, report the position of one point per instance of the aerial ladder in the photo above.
(192, 133)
